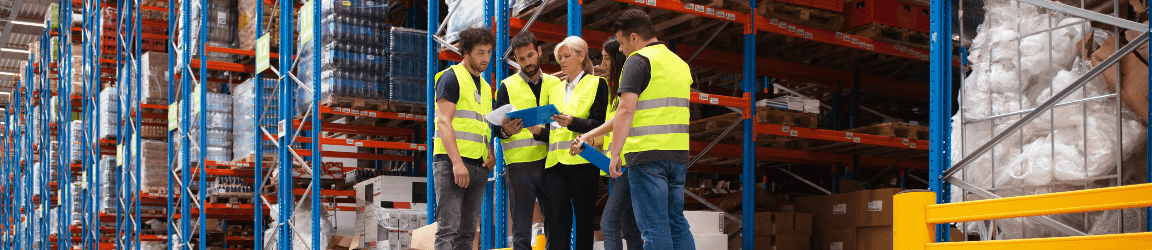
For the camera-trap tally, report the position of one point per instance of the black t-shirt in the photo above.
(449, 89)
(635, 77)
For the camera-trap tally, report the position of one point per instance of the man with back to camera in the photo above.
(525, 149)
(653, 111)
(463, 155)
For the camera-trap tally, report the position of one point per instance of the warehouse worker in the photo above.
(463, 155)
(653, 111)
(618, 221)
(525, 148)
(573, 182)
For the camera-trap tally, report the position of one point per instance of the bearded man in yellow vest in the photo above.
(525, 149)
(653, 112)
(463, 153)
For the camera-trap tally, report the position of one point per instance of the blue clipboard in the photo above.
(535, 116)
(596, 158)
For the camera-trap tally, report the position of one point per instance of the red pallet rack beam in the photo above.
(361, 156)
(363, 143)
(357, 129)
(798, 31)
(840, 136)
(800, 156)
(719, 60)
(328, 192)
(370, 113)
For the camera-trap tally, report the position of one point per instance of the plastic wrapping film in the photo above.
(246, 24)
(154, 164)
(77, 130)
(387, 228)
(244, 110)
(355, 52)
(107, 174)
(108, 102)
(302, 233)
(1016, 66)
(154, 76)
(223, 17)
(460, 20)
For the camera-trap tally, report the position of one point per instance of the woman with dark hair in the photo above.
(618, 221)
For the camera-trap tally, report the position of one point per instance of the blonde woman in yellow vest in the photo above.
(572, 181)
(525, 149)
(462, 156)
(618, 222)
(655, 85)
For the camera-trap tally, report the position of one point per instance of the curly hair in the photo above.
(634, 21)
(475, 36)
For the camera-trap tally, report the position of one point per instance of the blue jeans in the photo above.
(658, 201)
(619, 221)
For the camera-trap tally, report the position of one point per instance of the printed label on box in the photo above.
(875, 206)
(836, 246)
(841, 208)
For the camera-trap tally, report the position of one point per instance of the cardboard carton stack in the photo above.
(778, 231)
(707, 229)
(860, 220)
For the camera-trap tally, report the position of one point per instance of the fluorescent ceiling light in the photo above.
(7, 73)
(14, 50)
(41, 25)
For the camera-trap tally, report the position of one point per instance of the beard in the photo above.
(479, 68)
(531, 69)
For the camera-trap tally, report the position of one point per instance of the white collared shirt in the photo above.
(570, 85)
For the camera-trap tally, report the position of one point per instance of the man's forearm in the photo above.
(622, 125)
(448, 138)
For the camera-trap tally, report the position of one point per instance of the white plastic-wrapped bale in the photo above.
(1016, 65)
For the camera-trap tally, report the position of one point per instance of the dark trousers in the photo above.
(457, 209)
(572, 190)
(526, 185)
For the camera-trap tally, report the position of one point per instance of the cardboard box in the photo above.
(802, 224)
(835, 239)
(958, 236)
(792, 242)
(782, 224)
(874, 238)
(836, 211)
(876, 207)
(710, 241)
(705, 222)
(1134, 89)
(848, 186)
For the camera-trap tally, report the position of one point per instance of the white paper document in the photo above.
(497, 116)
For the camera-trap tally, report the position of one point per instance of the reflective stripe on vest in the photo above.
(467, 136)
(661, 118)
(471, 131)
(662, 102)
(526, 142)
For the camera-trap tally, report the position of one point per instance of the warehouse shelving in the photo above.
(753, 68)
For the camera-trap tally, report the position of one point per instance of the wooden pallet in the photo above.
(155, 190)
(895, 129)
(802, 15)
(895, 35)
(231, 198)
(785, 117)
(252, 158)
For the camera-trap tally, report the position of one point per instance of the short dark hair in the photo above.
(634, 21)
(474, 36)
(524, 38)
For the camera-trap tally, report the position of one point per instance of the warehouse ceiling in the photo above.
(22, 22)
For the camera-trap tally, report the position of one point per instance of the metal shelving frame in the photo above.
(942, 168)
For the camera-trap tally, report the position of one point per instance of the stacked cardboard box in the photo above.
(707, 229)
(860, 220)
(779, 231)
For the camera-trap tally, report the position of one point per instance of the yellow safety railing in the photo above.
(916, 214)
